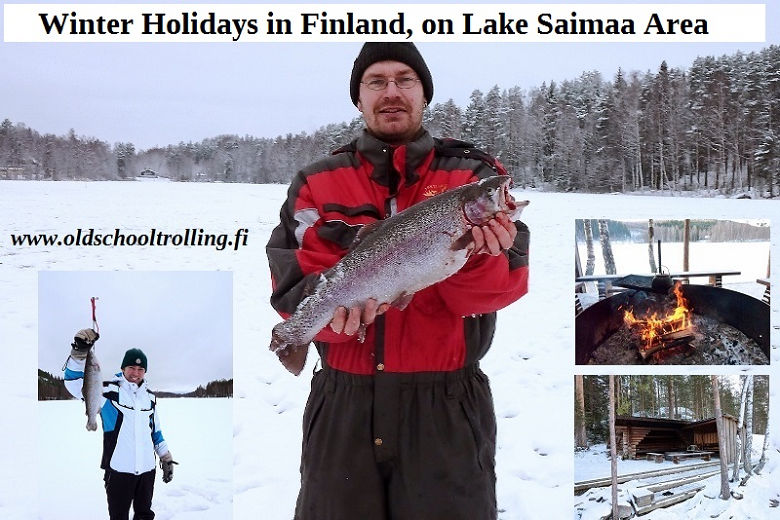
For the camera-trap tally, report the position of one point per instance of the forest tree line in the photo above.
(52, 388)
(687, 398)
(713, 127)
(674, 231)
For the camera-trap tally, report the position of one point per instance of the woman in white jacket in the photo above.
(131, 430)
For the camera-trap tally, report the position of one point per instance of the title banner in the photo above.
(611, 23)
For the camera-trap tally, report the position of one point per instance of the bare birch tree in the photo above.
(613, 447)
(748, 444)
(762, 460)
(580, 433)
(740, 429)
(606, 248)
(723, 455)
(590, 265)
(650, 250)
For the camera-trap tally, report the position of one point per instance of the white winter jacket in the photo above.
(131, 426)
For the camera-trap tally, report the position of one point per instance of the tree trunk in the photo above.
(723, 455)
(748, 445)
(650, 250)
(762, 460)
(590, 265)
(606, 248)
(580, 432)
(613, 447)
(740, 429)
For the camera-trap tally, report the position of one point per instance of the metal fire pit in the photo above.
(745, 313)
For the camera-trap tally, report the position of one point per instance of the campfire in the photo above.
(662, 329)
(685, 324)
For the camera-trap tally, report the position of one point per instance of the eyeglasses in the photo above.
(382, 83)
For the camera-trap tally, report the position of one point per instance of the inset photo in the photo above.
(672, 292)
(135, 386)
(667, 447)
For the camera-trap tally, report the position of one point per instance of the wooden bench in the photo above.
(657, 457)
(676, 457)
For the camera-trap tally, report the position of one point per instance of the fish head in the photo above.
(489, 197)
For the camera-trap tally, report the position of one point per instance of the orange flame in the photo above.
(652, 328)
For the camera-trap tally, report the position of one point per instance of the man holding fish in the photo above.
(393, 255)
(131, 427)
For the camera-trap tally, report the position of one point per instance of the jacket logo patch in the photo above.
(434, 189)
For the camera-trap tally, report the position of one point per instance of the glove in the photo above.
(166, 464)
(82, 342)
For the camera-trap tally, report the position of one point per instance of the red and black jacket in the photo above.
(446, 326)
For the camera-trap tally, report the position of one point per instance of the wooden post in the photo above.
(687, 246)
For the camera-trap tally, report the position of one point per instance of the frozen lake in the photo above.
(531, 364)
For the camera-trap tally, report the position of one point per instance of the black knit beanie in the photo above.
(405, 52)
(134, 357)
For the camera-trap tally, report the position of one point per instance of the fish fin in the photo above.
(519, 206)
(293, 358)
(463, 242)
(364, 232)
(402, 301)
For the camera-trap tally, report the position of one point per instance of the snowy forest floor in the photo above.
(596, 502)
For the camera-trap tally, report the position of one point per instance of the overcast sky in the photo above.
(165, 93)
(181, 320)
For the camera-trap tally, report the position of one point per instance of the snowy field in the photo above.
(531, 364)
(200, 437)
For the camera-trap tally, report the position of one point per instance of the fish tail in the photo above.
(292, 356)
(278, 343)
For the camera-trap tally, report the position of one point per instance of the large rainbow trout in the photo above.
(394, 258)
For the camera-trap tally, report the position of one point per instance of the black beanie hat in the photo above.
(134, 357)
(405, 52)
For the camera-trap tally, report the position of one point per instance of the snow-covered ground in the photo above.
(594, 462)
(199, 434)
(754, 504)
(531, 365)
